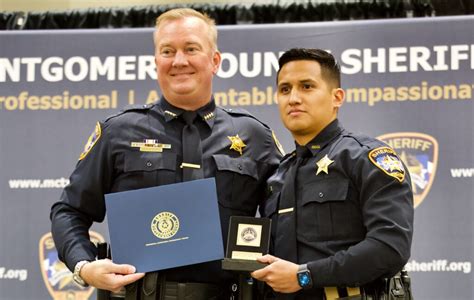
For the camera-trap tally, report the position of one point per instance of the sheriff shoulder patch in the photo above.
(95, 136)
(386, 159)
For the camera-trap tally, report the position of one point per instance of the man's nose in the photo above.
(180, 59)
(294, 97)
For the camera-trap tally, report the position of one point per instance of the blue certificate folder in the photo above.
(166, 226)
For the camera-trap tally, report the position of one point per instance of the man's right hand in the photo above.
(106, 275)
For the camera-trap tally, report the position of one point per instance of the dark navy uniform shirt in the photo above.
(353, 224)
(113, 165)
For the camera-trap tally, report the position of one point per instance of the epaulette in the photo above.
(364, 140)
(128, 108)
(242, 112)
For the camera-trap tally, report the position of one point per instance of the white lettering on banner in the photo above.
(244, 65)
(30, 63)
(20, 274)
(441, 58)
(147, 66)
(404, 59)
(58, 183)
(439, 265)
(105, 68)
(51, 69)
(77, 68)
(231, 64)
(128, 64)
(248, 65)
(462, 172)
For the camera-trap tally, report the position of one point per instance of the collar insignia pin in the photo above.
(171, 113)
(208, 116)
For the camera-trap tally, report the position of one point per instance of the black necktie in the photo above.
(285, 242)
(192, 150)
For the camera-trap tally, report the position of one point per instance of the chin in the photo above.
(293, 125)
(183, 90)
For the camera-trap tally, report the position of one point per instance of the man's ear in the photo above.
(216, 61)
(338, 97)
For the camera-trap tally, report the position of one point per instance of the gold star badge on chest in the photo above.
(323, 164)
(237, 143)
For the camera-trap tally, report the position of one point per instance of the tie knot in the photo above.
(302, 152)
(189, 116)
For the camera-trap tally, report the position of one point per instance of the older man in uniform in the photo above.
(341, 203)
(188, 138)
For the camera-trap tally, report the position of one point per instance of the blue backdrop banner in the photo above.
(409, 82)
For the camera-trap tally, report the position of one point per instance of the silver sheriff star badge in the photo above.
(323, 164)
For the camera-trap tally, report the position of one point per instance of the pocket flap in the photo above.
(144, 161)
(243, 166)
(331, 189)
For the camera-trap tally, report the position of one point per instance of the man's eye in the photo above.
(284, 90)
(166, 52)
(192, 49)
(307, 86)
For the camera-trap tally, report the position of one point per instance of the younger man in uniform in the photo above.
(341, 203)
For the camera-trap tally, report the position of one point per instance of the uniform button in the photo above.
(321, 195)
(149, 164)
(240, 167)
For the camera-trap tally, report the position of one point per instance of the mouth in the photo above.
(295, 112)
(182, 74)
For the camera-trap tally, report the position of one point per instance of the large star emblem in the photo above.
(237, 143)
(323, 164)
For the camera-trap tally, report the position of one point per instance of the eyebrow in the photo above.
(169, 44)
(306, 80)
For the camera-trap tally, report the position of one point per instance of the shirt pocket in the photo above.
(146, 169)
(237, 181)
(326, 213)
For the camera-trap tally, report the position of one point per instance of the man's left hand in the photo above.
(280, 274)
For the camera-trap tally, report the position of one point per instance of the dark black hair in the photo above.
(330, 69)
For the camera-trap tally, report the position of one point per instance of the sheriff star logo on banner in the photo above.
(57, 277)
(419, 152)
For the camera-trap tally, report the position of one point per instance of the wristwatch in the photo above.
(304, 277)
(77, 271)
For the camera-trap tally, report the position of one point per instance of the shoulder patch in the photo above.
(386, 159)
(135, 107)
(278, 144)
(94, 137)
